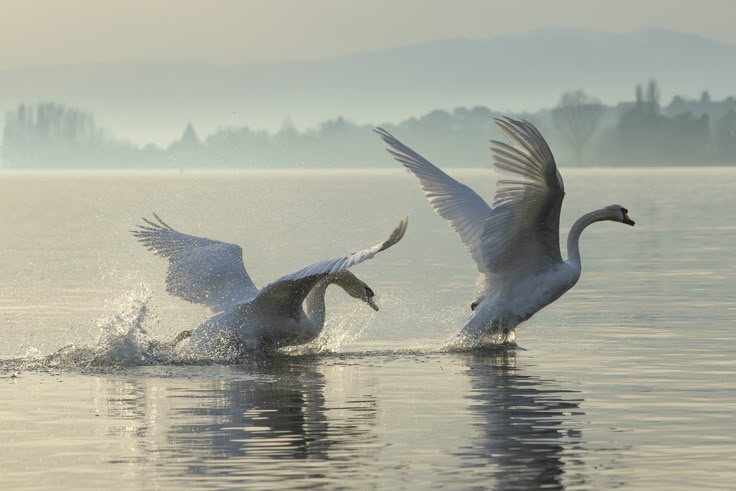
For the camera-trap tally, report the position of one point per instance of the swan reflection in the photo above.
(271, 419)
(528, 431)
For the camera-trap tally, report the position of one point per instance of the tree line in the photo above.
(580, 129)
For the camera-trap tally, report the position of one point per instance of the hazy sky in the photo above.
(41, 32)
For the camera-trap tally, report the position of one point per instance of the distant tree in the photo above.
(646, 135)
(52, 135)
(725, 137)
(576, 116)
(184, 152)
(685, 139)
(189, 137)
(652, 98)
(685, 132)
(288, 129)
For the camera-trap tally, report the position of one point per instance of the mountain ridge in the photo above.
(153, 101)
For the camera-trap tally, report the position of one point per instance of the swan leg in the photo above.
(170, 345)
(476, 334)
(181, 337)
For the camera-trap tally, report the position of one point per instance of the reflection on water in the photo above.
(289, 421)
(262, 423)
(527, 425)
(234, 418)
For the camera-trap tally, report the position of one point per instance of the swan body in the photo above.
(515, 240)
(504, 308)
(286, 312)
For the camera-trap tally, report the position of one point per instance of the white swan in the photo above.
(515, 241)
(289, 311)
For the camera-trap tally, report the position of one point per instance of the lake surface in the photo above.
(628, 381)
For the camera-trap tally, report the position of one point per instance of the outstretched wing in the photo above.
(455, 202)
(523, 229)
(288, 292)
(201, 270)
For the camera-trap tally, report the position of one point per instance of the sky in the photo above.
(46, 32)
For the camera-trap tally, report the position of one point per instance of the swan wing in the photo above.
(287, 294)
(201, 270)
(523, 228)
(466, 211)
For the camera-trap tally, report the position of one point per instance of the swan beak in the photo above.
(628, 221)
(371, 303)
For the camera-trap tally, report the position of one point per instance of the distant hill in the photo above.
(154, 101)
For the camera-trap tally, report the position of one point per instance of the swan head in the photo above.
(355, 288)
(618, 213)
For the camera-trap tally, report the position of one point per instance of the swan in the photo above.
(515, 241)
(289, 311)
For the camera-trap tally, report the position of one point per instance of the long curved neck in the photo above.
(314, 304)
(573, 238)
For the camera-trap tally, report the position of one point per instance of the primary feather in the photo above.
(452, 200)
(523, 227)
(201, 270)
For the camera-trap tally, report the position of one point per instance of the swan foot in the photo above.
(503, 337)
(170, 345)
(490, 338)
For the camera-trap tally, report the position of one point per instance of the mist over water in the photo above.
(626, 381)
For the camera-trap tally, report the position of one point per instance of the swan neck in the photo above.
(573, 238)
(314, 304)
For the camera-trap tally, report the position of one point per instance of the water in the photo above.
(626, 382)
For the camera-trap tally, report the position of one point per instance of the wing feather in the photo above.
(201, 270)
(466, 211)
(523, 229)
(288, 292)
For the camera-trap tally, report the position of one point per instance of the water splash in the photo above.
(123, 336)
(123, 341)
(334, 335)
(489, 341)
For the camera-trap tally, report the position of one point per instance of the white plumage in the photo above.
(289, 311)
(515, 241)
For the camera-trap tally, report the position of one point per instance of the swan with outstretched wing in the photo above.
(515, 241)
(289, 311)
